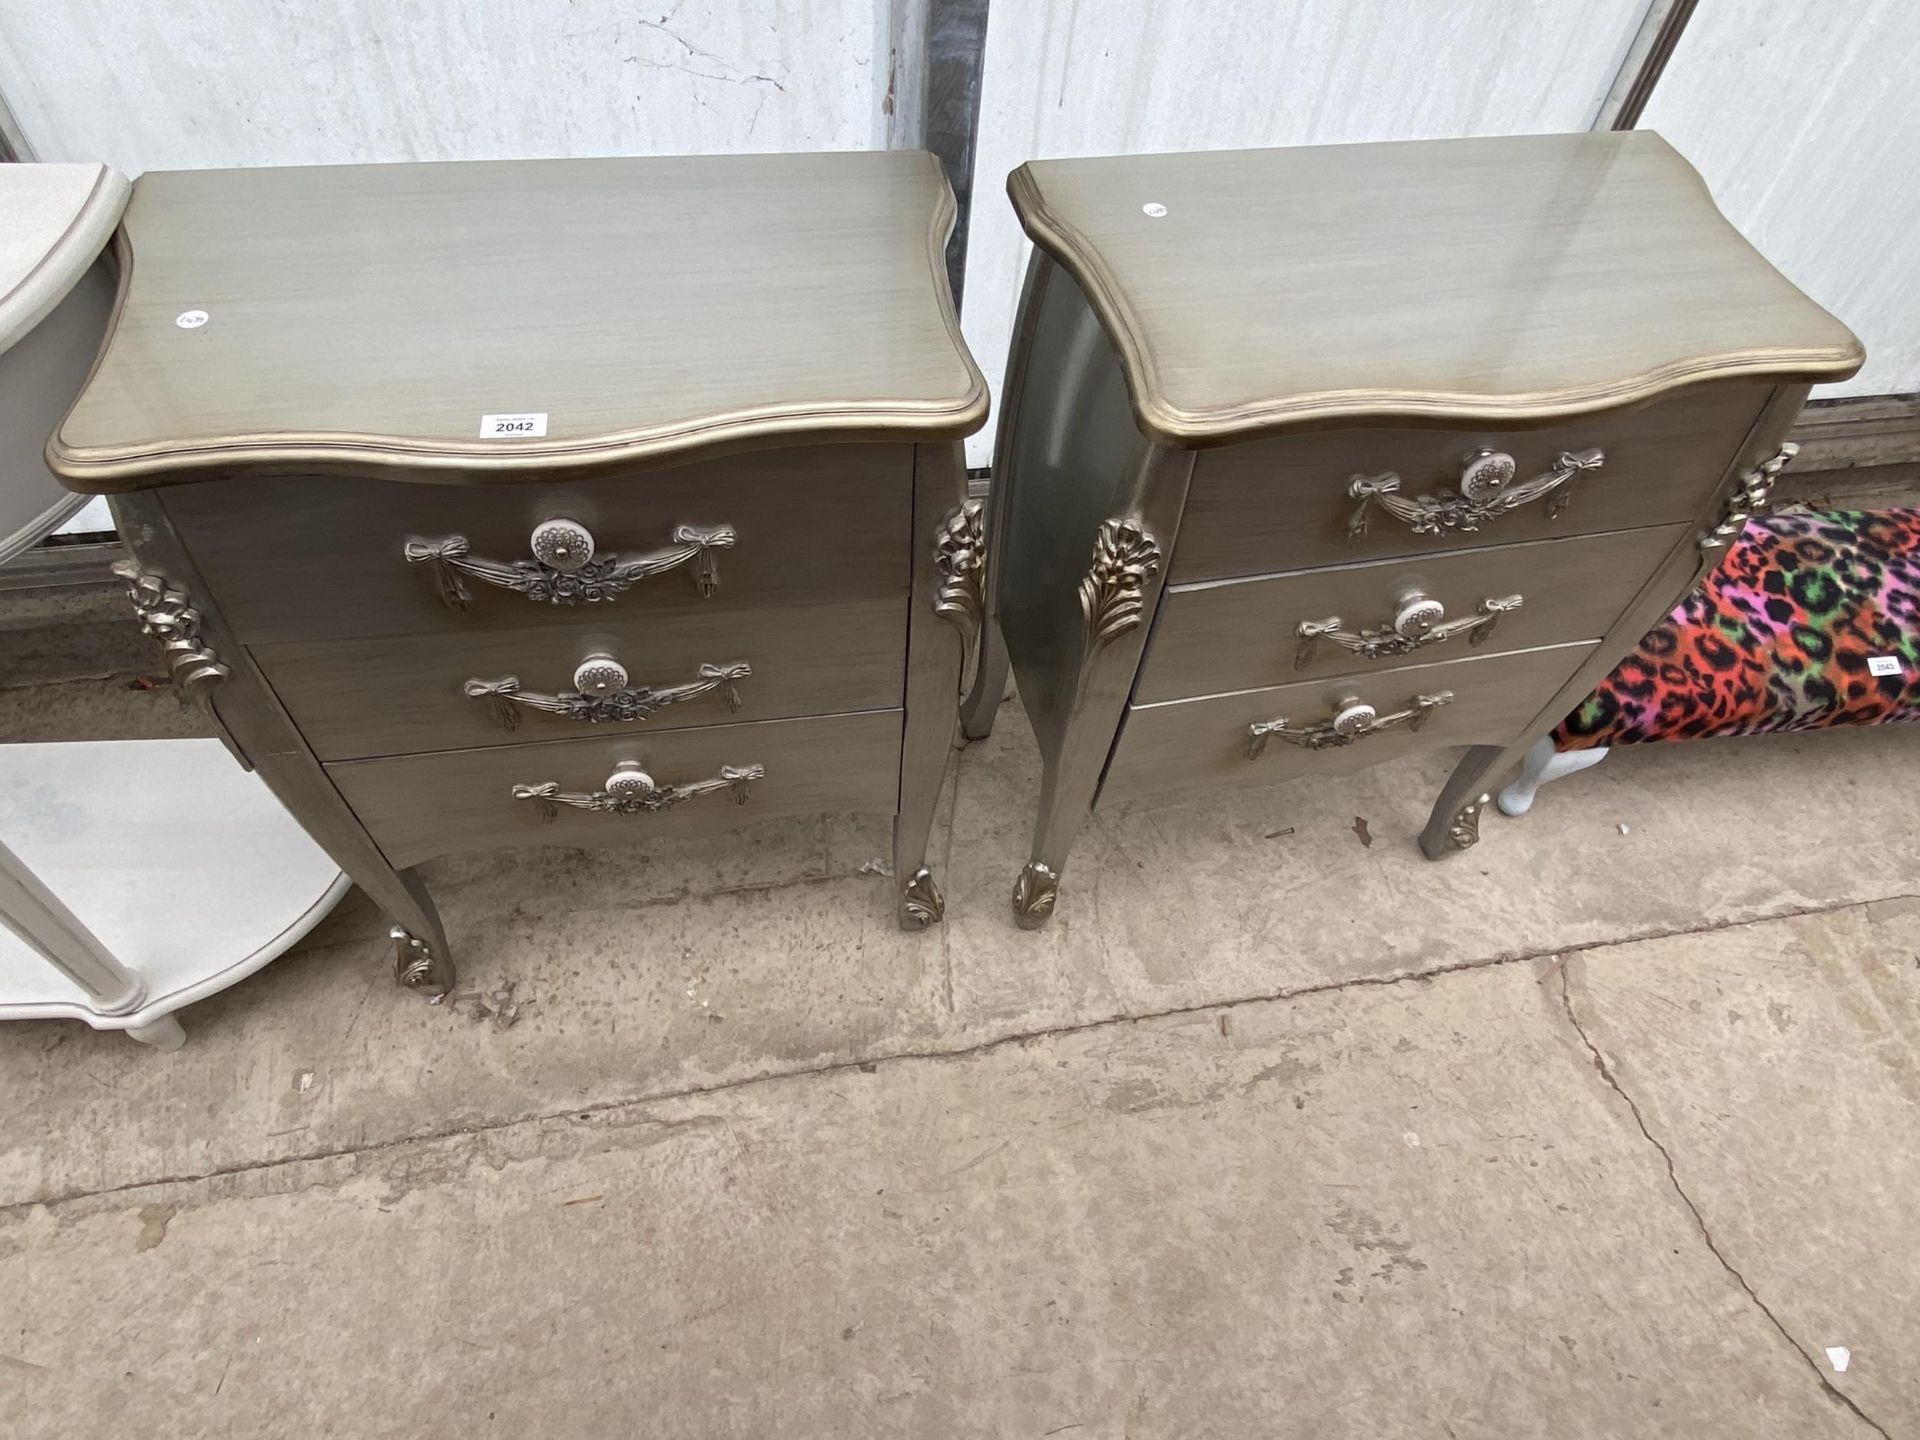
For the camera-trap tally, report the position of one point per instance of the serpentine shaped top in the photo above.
(1502, 281)
(363, 319)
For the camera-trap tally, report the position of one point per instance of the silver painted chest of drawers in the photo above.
(1309, 458)
(550, 502)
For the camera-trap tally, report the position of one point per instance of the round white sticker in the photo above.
(191, 319)
(1153, 208)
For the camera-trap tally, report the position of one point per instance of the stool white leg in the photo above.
(1544, 763)
(162, 1034)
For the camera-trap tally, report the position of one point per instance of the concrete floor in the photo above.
(1590, 1132)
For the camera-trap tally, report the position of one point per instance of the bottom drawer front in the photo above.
(1183, 743)
(419, 806)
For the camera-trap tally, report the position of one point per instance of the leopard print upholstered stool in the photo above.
(1812, 621)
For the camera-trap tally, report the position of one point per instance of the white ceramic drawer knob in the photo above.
(629, 781)
(600, 674)
(1417, 615)
(1354, 717)
(564, 544)
(1486, 475)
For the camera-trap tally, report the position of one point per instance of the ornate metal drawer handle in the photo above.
(1486, 490)
(600, 692)
(564, 569)
(1353, 721)
(630, 790)
(1418, 620)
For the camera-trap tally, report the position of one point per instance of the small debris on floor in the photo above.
(154, 1220)
(1623, 830)
(1276, 834)
(1226, 1026)
(1839, 1356)
(1360, 829)
(877, 867)
(305, 1082)
(582, 1200)
(499, 1006)
(145, 682)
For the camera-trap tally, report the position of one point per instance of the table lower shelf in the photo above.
(183, 865)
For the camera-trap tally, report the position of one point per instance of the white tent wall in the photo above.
(197, 83)
(1801, 115)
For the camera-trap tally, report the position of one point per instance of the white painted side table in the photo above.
(135, 876)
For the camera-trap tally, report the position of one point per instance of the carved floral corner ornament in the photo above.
(1126, 557)
(168, 615)
(960, 560)
(1752, 495)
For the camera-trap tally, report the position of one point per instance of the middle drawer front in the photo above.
(1186, 744)
(420, 806)
(355, 699)
(1242, 634)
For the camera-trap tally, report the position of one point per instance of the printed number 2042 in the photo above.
(529, 423)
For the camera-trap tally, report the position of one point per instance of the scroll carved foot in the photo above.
(416, 966)
(1464, 833)
(921, 903)
(1033, 896)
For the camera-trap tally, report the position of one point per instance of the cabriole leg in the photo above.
(421, 960)
(1454, 824)
(1066, 801)
(989, 684)
(920, 902)
(949, 579)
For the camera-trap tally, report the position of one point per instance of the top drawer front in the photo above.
(292, 559)
(1284, 504)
